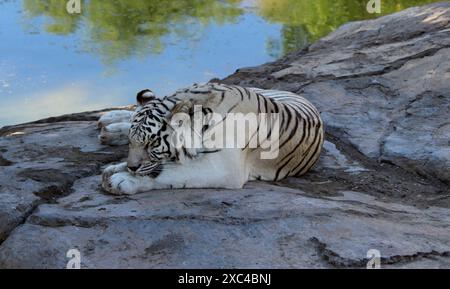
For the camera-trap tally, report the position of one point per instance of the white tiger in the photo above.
(154, 162)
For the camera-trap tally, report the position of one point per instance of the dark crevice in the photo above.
(58, 183)
(4, 162)
(22, 221)
(338, 261)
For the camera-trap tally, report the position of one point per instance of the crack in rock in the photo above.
(338, 261)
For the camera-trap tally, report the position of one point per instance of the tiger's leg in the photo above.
(115, 134)
(114, 116)
(224, 169)
(111, 170)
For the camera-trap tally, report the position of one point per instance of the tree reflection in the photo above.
(118, 29)
(305, 21)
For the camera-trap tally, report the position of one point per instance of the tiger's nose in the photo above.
(133, 169)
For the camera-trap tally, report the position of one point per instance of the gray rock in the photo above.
(261, 226)
(40, 163)
(381, 183)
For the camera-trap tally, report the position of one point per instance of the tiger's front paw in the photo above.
(121, 184)
(111, 170)
(115, 134)
(114, 116)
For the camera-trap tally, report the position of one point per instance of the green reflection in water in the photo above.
(305, 21)
(117, 29)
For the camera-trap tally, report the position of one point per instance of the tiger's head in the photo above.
(149, 147)
(160, 126)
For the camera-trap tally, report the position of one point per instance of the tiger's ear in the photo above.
(144, 96)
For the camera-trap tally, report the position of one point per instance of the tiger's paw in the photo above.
(114, 116)
(111, 170)
(115, 134)
(121, 184)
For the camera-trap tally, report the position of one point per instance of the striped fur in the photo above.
(300, 141)
(302, 132)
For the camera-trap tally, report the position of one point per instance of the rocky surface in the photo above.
(382, 182)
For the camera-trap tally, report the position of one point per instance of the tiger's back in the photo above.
(300, 128)
(300, 139)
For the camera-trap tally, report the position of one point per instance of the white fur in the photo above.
(148, 94)
(112, 169)
(229, 168)
(115, 134)
(225, 169)
(115, 116)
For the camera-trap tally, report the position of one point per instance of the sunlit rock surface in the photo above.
(382, 182)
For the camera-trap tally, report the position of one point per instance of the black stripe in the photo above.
(265, 105)
(154, 117)
(297, 146)
(304, 155)
(317, 157)
(222, 97)
(209, 152)
(275, 105)
(305, 131)
(291, 135)
(170, 99)
(307, 118)
(248, 92)
(302, 139)
(311, 109)
(268, 135)
(240, 92)
(316, 138)
(289, 116)
(233, 107)
(259, 104)
(282, 122)
(308, 164)
(281, 168)
(229, 87)
(250, 139)
(200, 92)
(313, 112)
(165, 106)
(186, 153)
(308, 121)
(156, 172)
(166, 142)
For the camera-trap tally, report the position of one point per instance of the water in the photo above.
(52, 62)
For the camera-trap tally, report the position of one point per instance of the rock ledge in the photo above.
(382, 183)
